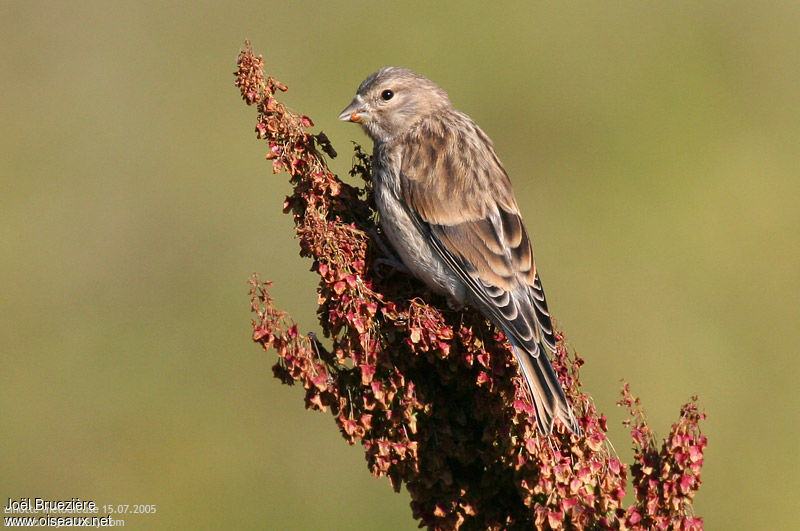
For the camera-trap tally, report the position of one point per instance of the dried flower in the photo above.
(432, 395)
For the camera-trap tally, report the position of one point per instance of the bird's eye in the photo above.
(387, 95)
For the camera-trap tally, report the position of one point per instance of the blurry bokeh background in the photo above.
(655, 151)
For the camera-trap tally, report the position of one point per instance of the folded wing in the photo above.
(458, 194)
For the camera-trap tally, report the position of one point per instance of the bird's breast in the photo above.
(412, 245)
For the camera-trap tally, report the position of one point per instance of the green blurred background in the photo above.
(655, 153)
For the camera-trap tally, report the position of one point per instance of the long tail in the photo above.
(548, 397)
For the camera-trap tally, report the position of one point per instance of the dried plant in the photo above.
(433, 395)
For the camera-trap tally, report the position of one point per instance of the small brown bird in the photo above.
(446, 204)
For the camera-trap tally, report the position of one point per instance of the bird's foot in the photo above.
(454, 304)
(389, 260)
(392, 263)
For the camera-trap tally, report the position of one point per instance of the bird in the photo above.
(446, 204)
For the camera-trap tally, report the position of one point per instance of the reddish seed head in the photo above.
(435, 395)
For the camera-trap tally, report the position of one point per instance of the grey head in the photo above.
(392, 100)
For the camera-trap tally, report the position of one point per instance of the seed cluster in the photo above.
(434, 396)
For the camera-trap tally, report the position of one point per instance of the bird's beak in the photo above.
(355, 112)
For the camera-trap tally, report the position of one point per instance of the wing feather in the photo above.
(461, 196)
(457, 193)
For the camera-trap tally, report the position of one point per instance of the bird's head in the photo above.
(392, 100)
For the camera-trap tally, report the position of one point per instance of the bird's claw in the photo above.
(390, 260)
(392, 263)
(454, 305)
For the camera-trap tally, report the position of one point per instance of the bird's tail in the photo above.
(548, 397)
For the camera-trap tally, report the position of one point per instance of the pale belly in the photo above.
(413, 248)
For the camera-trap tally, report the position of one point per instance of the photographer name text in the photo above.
(40, 505)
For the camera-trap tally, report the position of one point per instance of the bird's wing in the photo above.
(458, 193)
